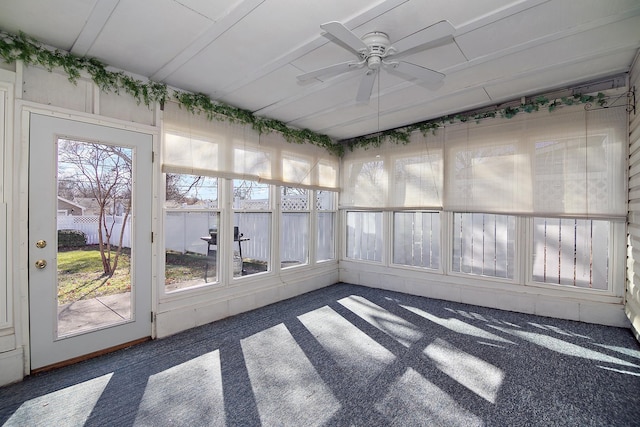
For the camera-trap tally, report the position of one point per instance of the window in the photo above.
(252, 217)
(326, 214)
(294, 226)
(416, 239)
(191, 218)
(484, 244)
(572, 252)
(364, 236)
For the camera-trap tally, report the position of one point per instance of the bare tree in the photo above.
(104, 172)
(183, 188)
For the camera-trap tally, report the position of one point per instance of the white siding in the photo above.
(633, 250)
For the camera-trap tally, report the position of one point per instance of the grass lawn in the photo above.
(80, 272)
(80, 275)
(181, 267)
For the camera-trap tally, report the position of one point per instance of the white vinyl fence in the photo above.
(89, 225)
(184, 230)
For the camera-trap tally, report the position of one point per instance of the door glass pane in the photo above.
(94, 220)
(190, 231)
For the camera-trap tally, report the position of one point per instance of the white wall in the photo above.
(11, 349)
(633, 249)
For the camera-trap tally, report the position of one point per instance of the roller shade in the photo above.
(571, 162)
(192, 144)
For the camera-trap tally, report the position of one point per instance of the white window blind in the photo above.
(195, 145)
(570, 162)
(393, 176)
(565, 163)
(488, 168)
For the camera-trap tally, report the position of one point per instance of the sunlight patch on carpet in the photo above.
(287, 388)
(479, 376)
(413, 400)
(403, 331)
(187, 394)
(351, 349)
(458, 326)
(70, 406)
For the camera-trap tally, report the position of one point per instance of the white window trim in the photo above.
(6, 294)
(447, 237)
(440, 270)
(616, 270)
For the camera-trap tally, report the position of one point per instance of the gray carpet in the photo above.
(350, 356)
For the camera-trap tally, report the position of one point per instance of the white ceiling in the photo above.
(247, 53)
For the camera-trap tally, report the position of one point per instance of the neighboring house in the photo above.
(93, 208)
(69, 207)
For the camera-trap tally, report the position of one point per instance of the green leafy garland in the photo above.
(31, 52)
(402, 135)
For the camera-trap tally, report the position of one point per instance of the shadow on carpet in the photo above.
(350, 356)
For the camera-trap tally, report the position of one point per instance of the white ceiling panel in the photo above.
(569, 74)
(144, 46)
(213, 9)
(254, 96)
(56, 23)
(473, 99)
(542, 22)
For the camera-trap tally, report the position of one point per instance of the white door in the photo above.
(90, 194)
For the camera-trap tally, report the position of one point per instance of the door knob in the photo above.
(40, 264)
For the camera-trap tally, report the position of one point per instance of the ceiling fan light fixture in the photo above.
(374, 62)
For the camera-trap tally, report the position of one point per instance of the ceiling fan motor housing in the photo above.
(377, 47)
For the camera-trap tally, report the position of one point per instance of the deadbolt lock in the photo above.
(40, 264)
(41, 244)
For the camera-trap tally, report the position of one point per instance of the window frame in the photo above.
(315, 224)
(615, 273)
(163, 242)
(442, 256)
(273, 210)
(384, 246)
(517, 268)
(281, 216)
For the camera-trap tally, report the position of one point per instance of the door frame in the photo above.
(22, 168)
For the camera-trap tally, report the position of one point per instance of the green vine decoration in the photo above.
(23, 48)
(31, 52)
(402, 135)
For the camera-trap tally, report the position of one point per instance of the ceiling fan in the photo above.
(375, 51)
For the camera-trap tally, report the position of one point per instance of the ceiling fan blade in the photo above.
(366, 85)
(345, 35)
(413, 71)
(435, 35)
(331, 70)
